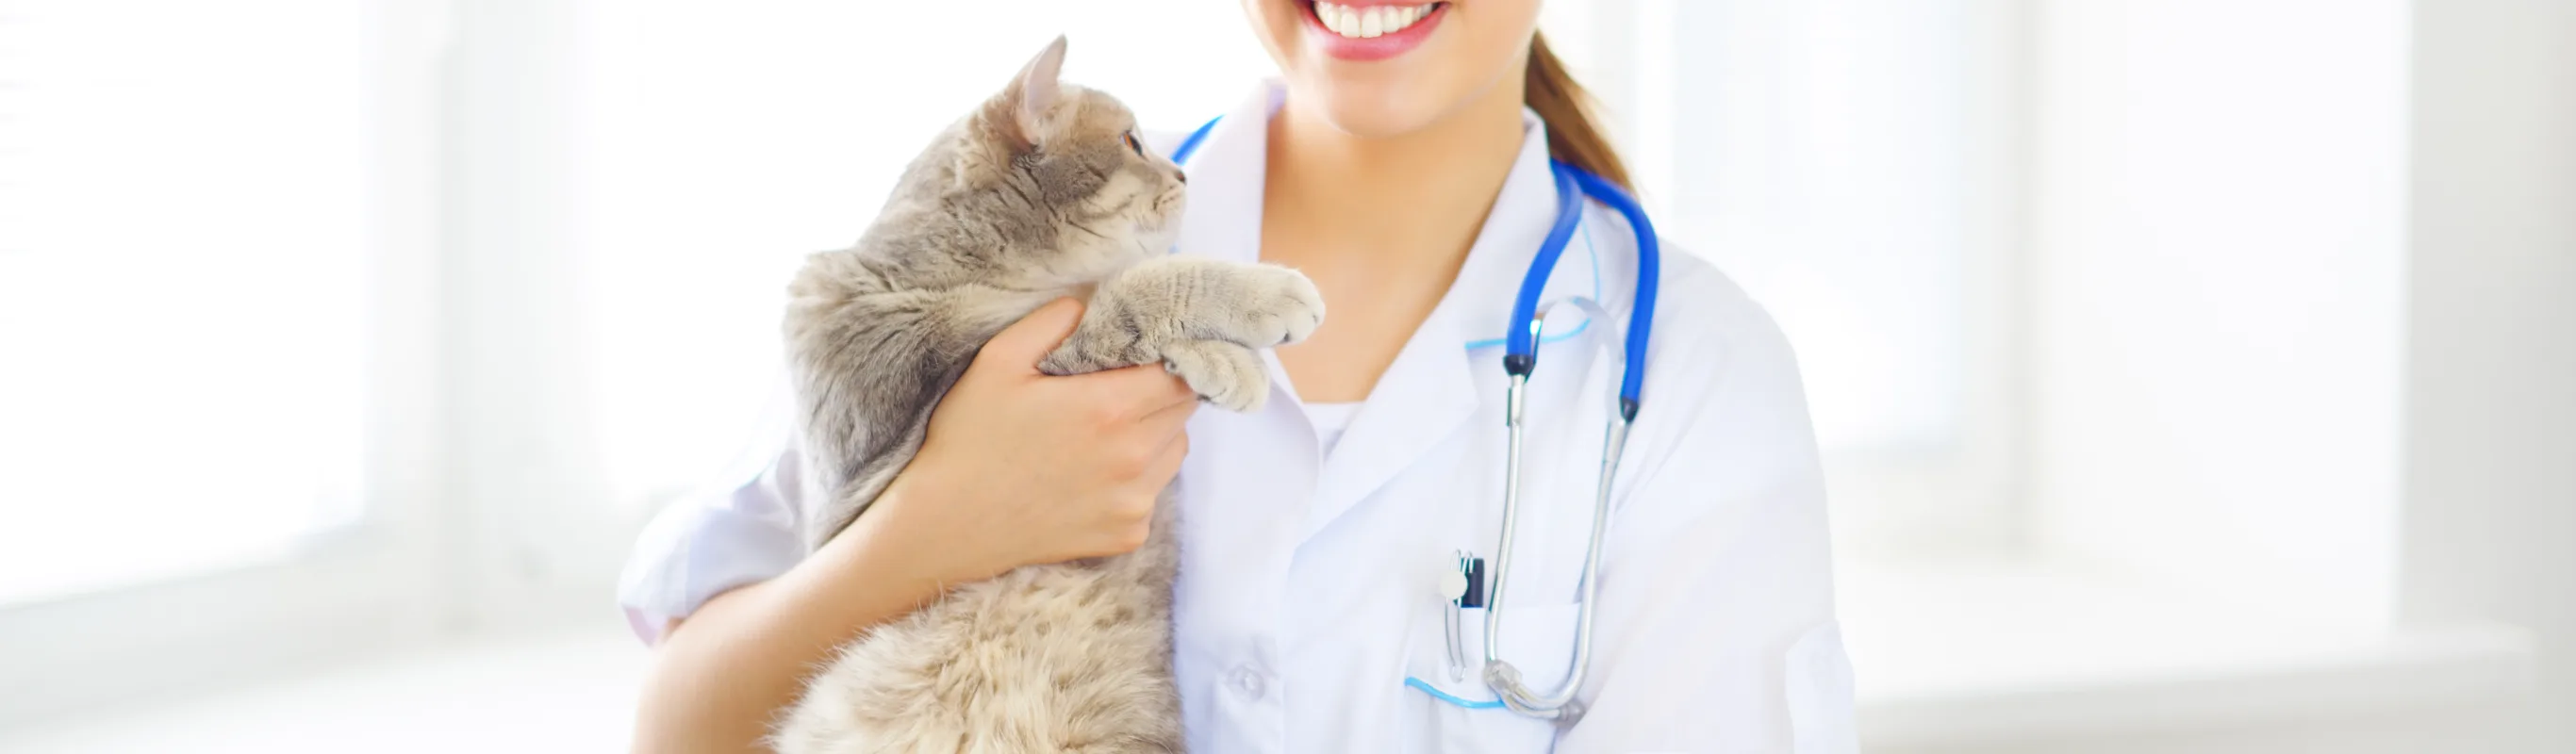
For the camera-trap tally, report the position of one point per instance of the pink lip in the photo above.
(1379, 47)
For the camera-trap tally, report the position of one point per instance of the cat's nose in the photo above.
(1181, 175)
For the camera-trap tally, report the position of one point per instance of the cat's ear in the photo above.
(1035, 93)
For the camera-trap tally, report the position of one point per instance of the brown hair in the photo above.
(1572, 136)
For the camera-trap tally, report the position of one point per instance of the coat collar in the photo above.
(1429, 392)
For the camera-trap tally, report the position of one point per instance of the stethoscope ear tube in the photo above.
(1520, 343)
(1559, 704)
(1520, 359)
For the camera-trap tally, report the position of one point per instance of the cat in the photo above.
(1043, 191)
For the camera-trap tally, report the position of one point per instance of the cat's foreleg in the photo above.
(1200, 318)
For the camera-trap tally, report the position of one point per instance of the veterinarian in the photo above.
(1402, 162)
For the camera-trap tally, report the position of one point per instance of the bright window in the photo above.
(1850, 163)
(182, 221)
(729, 140)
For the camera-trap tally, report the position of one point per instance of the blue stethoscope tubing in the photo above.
(1520, 359)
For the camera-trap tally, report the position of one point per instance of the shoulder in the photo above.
(1704, 299)
(1706, 328)
(1723, 386)
(1720, 361)
(1723, 413)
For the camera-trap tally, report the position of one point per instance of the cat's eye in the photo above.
(1132, 144)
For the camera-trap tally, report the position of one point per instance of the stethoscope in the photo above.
(1465, 588)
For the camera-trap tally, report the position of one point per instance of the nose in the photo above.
(1181, 175)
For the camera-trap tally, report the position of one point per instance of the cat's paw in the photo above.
(1226, 374)
(1279, 306)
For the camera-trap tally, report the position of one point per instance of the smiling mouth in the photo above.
(1365, 31)
(1369, 21)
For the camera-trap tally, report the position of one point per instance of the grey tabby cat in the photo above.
(1042, 192)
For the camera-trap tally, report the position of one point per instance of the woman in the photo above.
(1402, 163)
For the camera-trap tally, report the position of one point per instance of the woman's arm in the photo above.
(1017, 468)
(722, 672)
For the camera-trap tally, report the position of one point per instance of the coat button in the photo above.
(1248, 683)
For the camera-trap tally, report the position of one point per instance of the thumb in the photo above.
(1020, 346)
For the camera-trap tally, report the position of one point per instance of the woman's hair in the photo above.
(1572, 136)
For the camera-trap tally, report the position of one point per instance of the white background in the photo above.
(2192, 373)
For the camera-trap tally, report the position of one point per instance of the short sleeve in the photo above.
(700, 548)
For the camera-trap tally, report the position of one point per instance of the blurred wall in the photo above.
(2491, 359)
(2216, 291)
(2489, 464)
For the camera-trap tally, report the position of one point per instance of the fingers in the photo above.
(1132, 512)
(1021, 345)
(1168, 463)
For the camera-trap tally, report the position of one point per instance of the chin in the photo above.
(1373, 109)
(1376, 121)
(1380, 101)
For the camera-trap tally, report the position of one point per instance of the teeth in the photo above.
(1371, 21)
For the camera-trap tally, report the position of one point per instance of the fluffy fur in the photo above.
(1042, 192)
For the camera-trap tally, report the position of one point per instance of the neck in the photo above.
(1381, 225)
(1413, 200)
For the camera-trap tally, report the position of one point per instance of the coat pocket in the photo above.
(1460, 713)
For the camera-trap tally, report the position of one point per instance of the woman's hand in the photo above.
(1018, 468)
(1021, 468)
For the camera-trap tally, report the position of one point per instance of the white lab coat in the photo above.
(1308, 589)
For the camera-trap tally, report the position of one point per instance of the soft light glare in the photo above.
(729, 140)
(181, 234)
(1817, 162)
